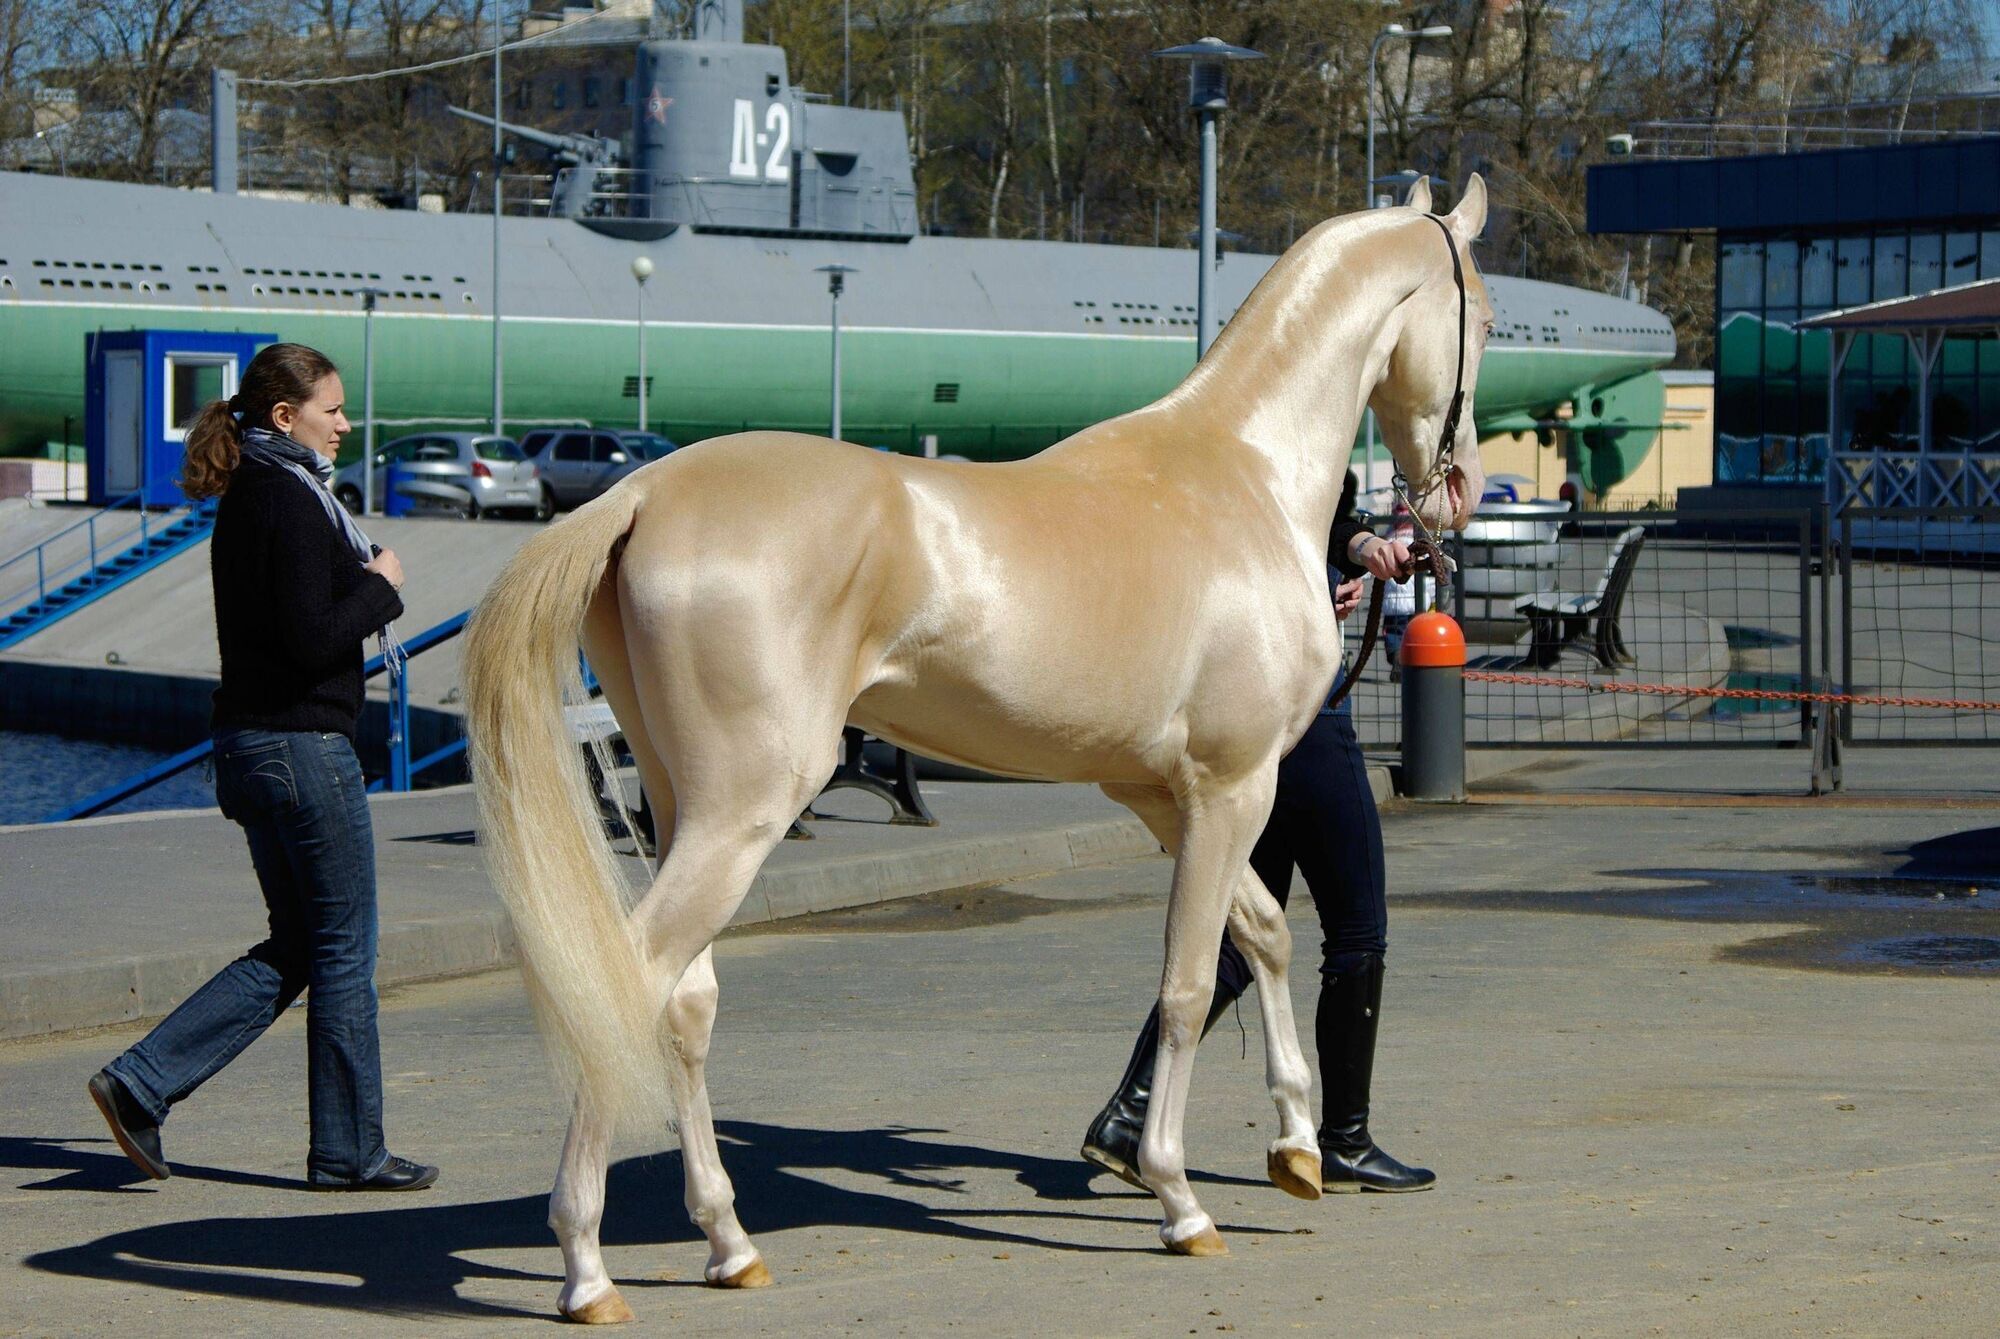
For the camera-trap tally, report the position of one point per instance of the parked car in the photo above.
(576, 464)
(648, 445)
(502, 478)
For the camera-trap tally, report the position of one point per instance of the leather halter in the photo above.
(1427, 549)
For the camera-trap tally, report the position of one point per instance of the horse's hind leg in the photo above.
(576, 1208)
(733, 1261)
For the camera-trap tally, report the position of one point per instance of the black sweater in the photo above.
(293, 608)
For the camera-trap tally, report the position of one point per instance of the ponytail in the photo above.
(279, 374)
(214, 445)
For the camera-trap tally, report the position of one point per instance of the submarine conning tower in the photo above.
(723, 143)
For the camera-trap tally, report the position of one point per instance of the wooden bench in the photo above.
(1558, 618)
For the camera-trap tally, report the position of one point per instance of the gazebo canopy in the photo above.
(1963, 309)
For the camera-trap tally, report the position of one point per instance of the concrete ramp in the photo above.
(164, 623)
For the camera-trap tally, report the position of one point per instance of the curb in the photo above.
(49, 1001)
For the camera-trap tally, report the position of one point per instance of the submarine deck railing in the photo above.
(62, 575)
(401, 766)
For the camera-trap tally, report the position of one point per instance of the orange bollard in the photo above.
(1433, 661)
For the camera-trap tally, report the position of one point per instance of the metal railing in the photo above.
(402, 768)
(46, 577)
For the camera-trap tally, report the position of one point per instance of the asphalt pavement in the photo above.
(1673, 1064)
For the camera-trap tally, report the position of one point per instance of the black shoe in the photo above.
(397, 1174)
(1350, 1008)
(1112, 1141)
(137, 1133)
(1343, 1173)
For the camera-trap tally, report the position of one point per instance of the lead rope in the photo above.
(1421, 551)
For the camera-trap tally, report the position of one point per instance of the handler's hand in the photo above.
(1346, 598)
(387, 564)
(1387, 559)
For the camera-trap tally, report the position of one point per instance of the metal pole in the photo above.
(846, 61)
(1368, 202)
(499, 410)
(368, 402)
(1204, 307)
(222, 131)
(836, 358)
(642, 355)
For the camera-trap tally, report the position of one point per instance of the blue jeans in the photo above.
(303, 804)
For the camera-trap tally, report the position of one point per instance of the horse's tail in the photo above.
(540, 822)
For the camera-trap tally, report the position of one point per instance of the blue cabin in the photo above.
(141, 390)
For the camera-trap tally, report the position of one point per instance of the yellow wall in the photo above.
(1685, 457)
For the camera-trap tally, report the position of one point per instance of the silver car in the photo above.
(501, 478)
(577, 464)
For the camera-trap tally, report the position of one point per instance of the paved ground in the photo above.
(171, 897)
(1667, 1061)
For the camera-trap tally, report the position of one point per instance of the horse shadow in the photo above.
(411, 1259)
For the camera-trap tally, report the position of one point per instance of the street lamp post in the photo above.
(836, 283)
(1208, 96)
(368, 296)
(1390, 33)
(642, 270)
(499, 168)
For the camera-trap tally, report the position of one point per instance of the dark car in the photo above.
(648, 445)
(576, 464)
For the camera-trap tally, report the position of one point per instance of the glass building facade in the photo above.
(1798, 234)
(1771, 380)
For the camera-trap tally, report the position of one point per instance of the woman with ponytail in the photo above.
(298, 588)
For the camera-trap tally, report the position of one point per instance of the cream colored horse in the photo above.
(1143, 606)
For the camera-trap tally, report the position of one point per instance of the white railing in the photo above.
(1913, 479)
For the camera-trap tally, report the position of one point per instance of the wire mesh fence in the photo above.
(1919, 615)
(1653, 599)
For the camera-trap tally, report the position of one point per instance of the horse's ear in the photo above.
(1469, 219)
(1420, 195)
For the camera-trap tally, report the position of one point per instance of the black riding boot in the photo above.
(1112, 1141)
(1350, 1006)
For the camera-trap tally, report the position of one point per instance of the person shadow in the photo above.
(410, 1258)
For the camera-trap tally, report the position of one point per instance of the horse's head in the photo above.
(1424, 400)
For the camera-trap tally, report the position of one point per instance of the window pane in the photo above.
(1956, 359)
(1954, 404)
(1781, 274)
(1989, 255)
(1816, 274)
(1961, 258)
(1741, 282)
(194, 385)
(1740, 348)
(497, 448)
(1851, 284)
(1892, 267)
(1926, 262)
(1781, 343)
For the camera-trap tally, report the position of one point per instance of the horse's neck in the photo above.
(1292, 372)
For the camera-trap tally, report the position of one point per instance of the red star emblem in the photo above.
(656, 106)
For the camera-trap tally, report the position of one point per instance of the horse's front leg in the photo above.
(1219, 824)
(1257, 924)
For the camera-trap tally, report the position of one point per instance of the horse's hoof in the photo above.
(752, 1275)
(1205, 1242)
(1294, 1171)
(609, 1309)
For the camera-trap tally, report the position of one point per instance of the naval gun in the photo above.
(581, 159)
